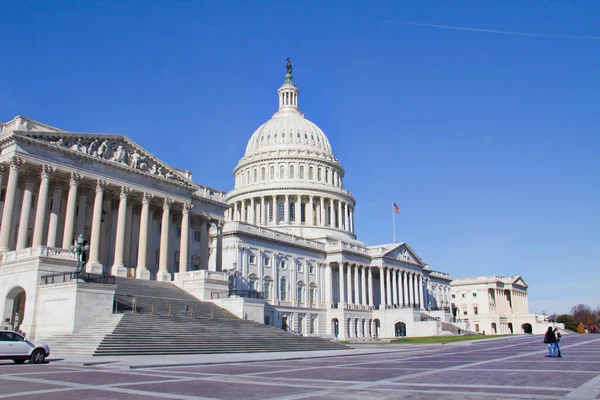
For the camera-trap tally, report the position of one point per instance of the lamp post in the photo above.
(234, 274)
(79, 249)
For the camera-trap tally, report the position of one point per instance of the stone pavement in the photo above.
(509, 368)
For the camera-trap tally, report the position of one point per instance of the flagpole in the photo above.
(394, 221)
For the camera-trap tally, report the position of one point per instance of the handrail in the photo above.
(77, 276)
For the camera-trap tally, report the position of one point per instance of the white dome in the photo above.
(288, 129)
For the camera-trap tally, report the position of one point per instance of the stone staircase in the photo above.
(84, 342)
(150, 334)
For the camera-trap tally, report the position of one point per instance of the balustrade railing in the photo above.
(77, 277)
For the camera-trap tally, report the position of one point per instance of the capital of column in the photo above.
(147, 198)
(16, 162)
(125, 191)
(187, 207)
(47, 170)
(75, 178)
(30, 177)
(100, 185)
(2, 170)
(167, 203)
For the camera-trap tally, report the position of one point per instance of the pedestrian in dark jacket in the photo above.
(550, 340)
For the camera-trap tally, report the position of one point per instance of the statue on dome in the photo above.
(288, 66)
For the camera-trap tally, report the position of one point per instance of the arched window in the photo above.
(267, 285)
(262, 174)
(310, 173)
(292, 211)
(270, 205)
(291, 172)
(301, 172)
(247, 177)
(252, 282)
(312, 293)
(302, 212)
(255, 175)
(281, 211)
(326, 176)
(272, 172)
(300, 292)
(282, 289)
(281, 172)
(319, 176)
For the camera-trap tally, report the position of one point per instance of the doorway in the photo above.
(284, 323)
(400, 329)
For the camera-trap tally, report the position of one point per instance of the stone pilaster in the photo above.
(9, 202)
(163, 265)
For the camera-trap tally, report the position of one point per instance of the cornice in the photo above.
(281, 189)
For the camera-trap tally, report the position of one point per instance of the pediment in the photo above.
(520, 281)
(404, 253)
(116, 149)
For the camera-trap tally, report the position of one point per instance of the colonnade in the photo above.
(398, 288)
(75, 219)
(508, 301)
(293, 209)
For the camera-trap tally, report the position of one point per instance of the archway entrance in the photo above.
(335, 327)
(494, 328)
(510, 327)
(400, 329)
(14, 308)
(527, 328)
(377, 328)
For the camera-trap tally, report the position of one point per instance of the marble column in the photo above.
(413, 288)
(408, 278)
(54, 214)
(363, 276)
(388, 291)
(382, 302)
(25, 212)
(286, 210)
(328, 290)
(204, 243)
(9, 203)
(235, 212)
(331, 214)
(185, 236)
(340, 217)
(346, 223)
(128, 235)
(350, 298)
(163, 265)
(252, 218)
(370, 273)
(298, 211)
(93, 265)
(352, 220)
(118, 268)
(310, 215)
(68, 236)
(356, 285)
(420, 283)
(394, 287)
(264, 213)
(322, 212)
(142, 271)
(342, 289)
(406, 301)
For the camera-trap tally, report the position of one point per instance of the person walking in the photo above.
(550, 340)
(558, 336)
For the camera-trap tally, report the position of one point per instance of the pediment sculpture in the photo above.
(116, 150)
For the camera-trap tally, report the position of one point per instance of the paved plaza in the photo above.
(515, 367)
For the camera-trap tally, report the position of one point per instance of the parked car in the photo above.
(13, 346)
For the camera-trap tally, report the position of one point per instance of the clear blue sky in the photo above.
(488, 142)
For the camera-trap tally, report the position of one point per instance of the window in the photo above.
(464, 312)
(464, 295)
(302, 212)
(283, 265)
(272, 172)
(262, 174)
(267, 319)
(300, 323)
(474, 294)
(301, 172)
(312, 294)
(291, 172)
(252, 259)
(300, 292)
(453, 296)
(311, 269)
(179, 231)
(326, 176)
(475, 310)
(477, 328)
(281, 173)
(312, 325)
(270, 205)
(267, 262)
(282, 289)
(267, 288)
(292, 211)
(310, 173)
(300, 267)
(319, 175)
(196, 236)
(281, 211)
(251, 283)
(247, 177)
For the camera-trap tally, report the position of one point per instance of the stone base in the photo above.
(118, 270)
(142, 274)
(163, 276)
(94, 268)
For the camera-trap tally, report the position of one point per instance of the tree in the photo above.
(568, 320)
(584, 314)
(580, 328)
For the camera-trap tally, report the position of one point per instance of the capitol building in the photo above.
(279, 249)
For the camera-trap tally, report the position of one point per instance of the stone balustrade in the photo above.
(38, 251)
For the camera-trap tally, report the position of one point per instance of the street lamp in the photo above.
(79, 249)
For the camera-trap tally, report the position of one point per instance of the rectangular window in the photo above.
(465, 312)
(311, 269)
(302, 212)
(474, 294)
(299, 294)
(196, 236)
(301, 267)
(453, 296)
(267, 320)
(267, 262)
(252, 259)
(475, 310)
(464, 295)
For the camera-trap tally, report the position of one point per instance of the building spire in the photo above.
(288, 92)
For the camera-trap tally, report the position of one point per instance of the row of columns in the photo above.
(255, 211)
(94, 264)
(397, 287)
(290, 171)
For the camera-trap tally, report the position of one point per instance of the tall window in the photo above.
(255, 175)
(281, 211)
(310, 173)
(272, 172)
(267, 288)
(247, 177)
(302, 212)
(292, 211)
(262, 174)
(475, 310)
(319, 175)
(251, 283)
(282, 289)
(281, 172)
(301, 172)
(291, 172)
(326, 176)
(270, 205)
(300, 292)
(312, 294)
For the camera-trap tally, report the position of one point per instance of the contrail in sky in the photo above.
(462, 28)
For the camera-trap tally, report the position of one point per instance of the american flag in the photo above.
(396, 208)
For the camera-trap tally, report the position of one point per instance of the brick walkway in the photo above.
(512, 368)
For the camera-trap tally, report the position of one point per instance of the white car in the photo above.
(13, 346)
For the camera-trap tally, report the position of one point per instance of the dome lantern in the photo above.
(288, 92)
